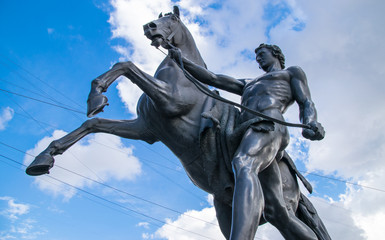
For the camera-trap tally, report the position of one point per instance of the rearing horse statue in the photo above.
(199, 130)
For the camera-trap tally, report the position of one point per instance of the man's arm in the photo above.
(307, 111)
(203, 75)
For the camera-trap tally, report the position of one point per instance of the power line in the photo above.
(38, 100)
(148, 201)
(142, 199)
(112, 202)
(306, 172)
(180, 186)
(56, 105)
(141, 158)
(134, 196)
(124, 207)
(74, 110)
(40, 80)
(343, 181)
(36, 93)
(347, 182)
(111, 187)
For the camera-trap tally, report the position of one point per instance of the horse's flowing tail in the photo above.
(307, 214)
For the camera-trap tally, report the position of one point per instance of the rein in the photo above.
(209, 93)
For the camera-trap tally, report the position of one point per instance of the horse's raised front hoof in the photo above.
(41, 165)
(95, 104)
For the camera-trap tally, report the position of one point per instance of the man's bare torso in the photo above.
(270, 94)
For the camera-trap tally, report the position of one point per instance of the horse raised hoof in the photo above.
(95, 104)
(41, 165)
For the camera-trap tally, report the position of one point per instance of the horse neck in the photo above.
(186, 43)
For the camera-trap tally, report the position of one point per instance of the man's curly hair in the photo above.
(275, 50)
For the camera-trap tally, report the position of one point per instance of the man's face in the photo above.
(265, 58)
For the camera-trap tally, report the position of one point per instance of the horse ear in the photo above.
(160, 15)
(176, 11)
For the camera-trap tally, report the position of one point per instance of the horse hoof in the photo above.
(41, 165)
(95, 104)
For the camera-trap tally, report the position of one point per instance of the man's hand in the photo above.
(316, 132)
(175, 53)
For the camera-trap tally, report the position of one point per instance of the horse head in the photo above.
(168, 31)
(163, 30)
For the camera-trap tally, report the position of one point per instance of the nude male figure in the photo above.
(263, 143)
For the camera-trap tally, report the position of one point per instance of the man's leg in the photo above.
(255, 152)
(276, 211)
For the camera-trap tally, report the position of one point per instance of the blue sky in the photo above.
(51, 51)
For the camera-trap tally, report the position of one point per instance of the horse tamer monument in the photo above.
(238, 156)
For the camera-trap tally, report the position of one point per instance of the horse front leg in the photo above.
(133, 129)
(96, 100)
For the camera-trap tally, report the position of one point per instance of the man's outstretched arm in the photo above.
(307, 110)
(203, 75)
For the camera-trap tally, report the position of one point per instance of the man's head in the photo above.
(275, 51)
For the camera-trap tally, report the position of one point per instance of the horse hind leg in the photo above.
(224, 215)
(308, 214)
(297, 202)
(133, 129)
(45, 161)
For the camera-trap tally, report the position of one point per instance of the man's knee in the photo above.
(242, 165)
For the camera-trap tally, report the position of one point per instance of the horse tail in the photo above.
(307, 214)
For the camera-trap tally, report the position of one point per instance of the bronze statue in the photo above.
(254, 163)
(202, 132)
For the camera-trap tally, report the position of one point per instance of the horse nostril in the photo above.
(152, 25)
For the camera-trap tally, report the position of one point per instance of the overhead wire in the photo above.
(84, 195)
(89, 169)
(66, 108)
(306, 172)
(343, 181)
(111, 202)
(148, 201)
(129, 209)
(40, 80)
(347, 182)
(109, 186)
(74, 110)
(41, 93)
(153, 169)
(42, 101)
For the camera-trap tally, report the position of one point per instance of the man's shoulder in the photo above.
(295, 71)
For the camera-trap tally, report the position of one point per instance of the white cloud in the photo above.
(14, 210)
(173, 231)
(5, 117)
(100, 157)
(128, 17)
(129, 93)
(341, 49)
(126, 21)
(339, 221)
(143, 224)
(20, 225)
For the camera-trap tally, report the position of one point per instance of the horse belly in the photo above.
(181, 136)
(196, 173)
